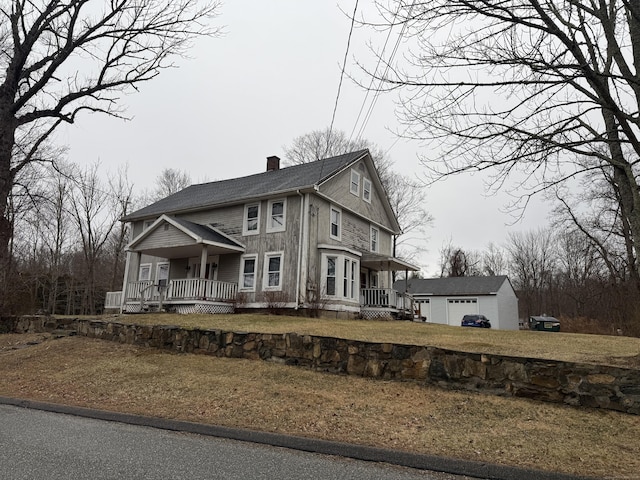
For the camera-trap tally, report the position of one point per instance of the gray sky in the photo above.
(272, 77)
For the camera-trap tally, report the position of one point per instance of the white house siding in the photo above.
(165, 235)
(338, 189)
(508, 308)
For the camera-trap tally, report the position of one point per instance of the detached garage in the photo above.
(447, 300)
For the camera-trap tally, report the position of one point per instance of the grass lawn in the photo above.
(276, 398)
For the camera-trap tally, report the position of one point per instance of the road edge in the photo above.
(358, 452)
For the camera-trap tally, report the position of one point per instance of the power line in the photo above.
(344, 65)
(382, 76)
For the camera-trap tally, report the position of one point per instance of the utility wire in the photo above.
(344, 65)
(377, 90)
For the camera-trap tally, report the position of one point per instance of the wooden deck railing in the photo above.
(202, 289)
(385, 298)
(181, 289)
(113, 300)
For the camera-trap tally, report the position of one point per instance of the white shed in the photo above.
(446, 300)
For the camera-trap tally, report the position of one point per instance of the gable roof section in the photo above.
(205, 195)
(452, 285)
(201, 234)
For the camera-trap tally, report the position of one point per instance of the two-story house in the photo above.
(316, 236)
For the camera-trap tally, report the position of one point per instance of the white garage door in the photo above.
(459, 307)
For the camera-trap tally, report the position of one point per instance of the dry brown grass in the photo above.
(276, 398)
(573, 347)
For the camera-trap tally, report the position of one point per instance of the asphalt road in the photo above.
(37, 444)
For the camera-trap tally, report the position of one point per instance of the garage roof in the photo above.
(452, 285)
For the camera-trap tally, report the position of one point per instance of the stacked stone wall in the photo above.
(575, 384)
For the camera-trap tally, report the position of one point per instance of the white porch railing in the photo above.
(202, 289)
(112, 300)
(385, 298)
(182, 289)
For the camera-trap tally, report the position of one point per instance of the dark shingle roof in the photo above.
(452, 285)
(238, 189)
(206, 233)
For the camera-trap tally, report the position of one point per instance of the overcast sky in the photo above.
(271, 77)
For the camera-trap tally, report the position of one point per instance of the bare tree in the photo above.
(494, 261)
(456, 262)
(95, 212)
(61, 58)
(532, 265)
(170, 181)
(538, 92)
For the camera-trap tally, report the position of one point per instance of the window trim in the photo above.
(345, 278)
(336, 262)
(158, 267)
(338, 224)
(374, 246)
(283, 227)
(245, 220)
(354, 187)
(144, 265)
(365, 189)
(243, 260)
(266, 272)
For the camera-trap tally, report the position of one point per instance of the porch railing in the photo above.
(385, 298)
(202, 289)
(182, 289)
(112, 300)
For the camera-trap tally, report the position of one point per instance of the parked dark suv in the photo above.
(476, 321)
(544, 323)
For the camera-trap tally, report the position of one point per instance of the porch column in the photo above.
(203, 271)
(125, 281)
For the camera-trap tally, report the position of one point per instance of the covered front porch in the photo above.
(177, 265)
(384, 302)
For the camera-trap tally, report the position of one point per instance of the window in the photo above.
(273, 271)
(331, 275)
(162, 273)
(248, 273)
(277, 216)
(147, 224)
(335, 223)
(251, 224)
(355, 183)
(366, 190)
(354, 290)
(346, 272)
(349, 279)
(340, 276)
(375, 236)
(144, 274)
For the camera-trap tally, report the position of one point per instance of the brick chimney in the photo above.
(273, 163)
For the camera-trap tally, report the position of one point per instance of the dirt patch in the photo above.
(276, 398)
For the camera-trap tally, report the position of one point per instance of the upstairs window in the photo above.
(366, 190)
(336, 223)
(375, 239)
(277, 216)
(251, 225)
(355, 183)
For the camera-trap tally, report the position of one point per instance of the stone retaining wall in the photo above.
(575, 384)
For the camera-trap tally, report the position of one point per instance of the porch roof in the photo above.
(187, 240)
(386, 263)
